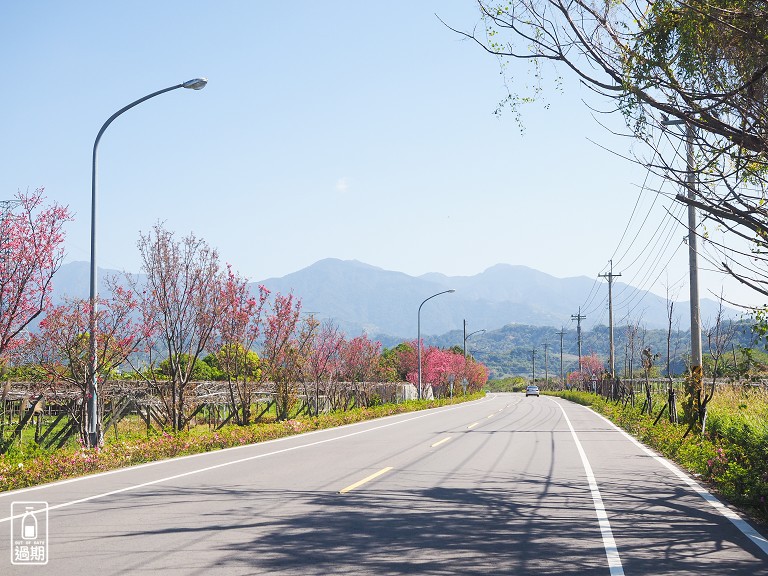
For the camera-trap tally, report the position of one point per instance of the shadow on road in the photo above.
(451, 530)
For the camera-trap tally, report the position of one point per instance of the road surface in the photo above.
(503, 485)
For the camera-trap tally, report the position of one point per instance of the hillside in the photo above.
(508, 351)
(520, 308)
(384, 303)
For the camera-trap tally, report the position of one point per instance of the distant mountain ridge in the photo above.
(361, 297)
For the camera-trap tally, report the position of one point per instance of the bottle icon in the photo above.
(29, 525)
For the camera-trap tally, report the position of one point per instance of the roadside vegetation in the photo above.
(508, 384)
(30, 465)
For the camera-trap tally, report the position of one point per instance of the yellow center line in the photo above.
(472, 425)
(443, 441)
(364, 480)
(491, 416)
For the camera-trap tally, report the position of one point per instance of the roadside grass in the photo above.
(732, 455)
(508, 384)
(31, 465)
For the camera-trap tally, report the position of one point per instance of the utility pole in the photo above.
(465, 338)
(534, 367)
(693, 265)
(626, 354)
(610, 276)
(546, 364)
(696, 360)
(561, 334)
(578, 317)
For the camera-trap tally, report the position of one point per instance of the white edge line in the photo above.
(744, 527)
(609, 544)
(430, 412)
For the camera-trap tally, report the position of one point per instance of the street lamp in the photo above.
(468, 336)
(93, 388)
(418, 337)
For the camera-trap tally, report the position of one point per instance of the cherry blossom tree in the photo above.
(359, 367)
(592, 369)
(181, 305)
(440, 366)
(323, 362)
(61, 347)
(31, 252)
(282, 350)
(477, 375)
(235, 337)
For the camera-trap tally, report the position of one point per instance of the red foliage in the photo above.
(438, 366)
(592, 368)
(31, 251)
(360, 360)
(240, 324)
(62, 343)
(181, 306)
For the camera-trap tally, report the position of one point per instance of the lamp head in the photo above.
(196, 83)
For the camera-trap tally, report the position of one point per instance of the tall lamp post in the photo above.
(418, 337)
(468, 336)
(94, 433)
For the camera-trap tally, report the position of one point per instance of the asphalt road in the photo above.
(504, 485)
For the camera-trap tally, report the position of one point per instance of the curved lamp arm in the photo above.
(93, 424)
(418, 336)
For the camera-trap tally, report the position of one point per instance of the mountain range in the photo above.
(384, 303)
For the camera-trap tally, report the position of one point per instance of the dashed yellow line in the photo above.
(472, 425)
(364, 480)
(491, 416)
(443, 441)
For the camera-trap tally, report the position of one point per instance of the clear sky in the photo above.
(346, 129)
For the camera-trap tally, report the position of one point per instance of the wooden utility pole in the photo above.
(561, 334)
(546, 364)
(578, 317)
(610, 276)
(534, 367)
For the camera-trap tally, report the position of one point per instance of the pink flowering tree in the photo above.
(323, 362)
(283, 350)
(31, 252)
(180, 303)
(61, 346)
(592, 369)
(477, 375)
(234, 338)
(360, 366)
(439, 367)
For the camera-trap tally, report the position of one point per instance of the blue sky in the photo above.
(342, 129)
